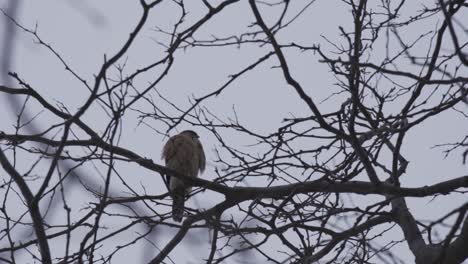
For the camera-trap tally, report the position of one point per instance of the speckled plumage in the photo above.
(184, 154)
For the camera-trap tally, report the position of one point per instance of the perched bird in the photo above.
(184, 154)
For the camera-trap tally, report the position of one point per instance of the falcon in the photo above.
(184, 154)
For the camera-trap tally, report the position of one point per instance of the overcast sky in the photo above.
(84, 31)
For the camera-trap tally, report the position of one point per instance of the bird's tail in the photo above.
(178, 200)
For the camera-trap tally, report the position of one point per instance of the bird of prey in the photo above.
(184, 154)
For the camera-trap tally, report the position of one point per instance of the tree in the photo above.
(316, 162)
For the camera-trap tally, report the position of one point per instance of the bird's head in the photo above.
(190, 133)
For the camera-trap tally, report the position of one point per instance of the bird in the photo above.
(184, 154)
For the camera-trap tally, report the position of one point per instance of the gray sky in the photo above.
(82, 32)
